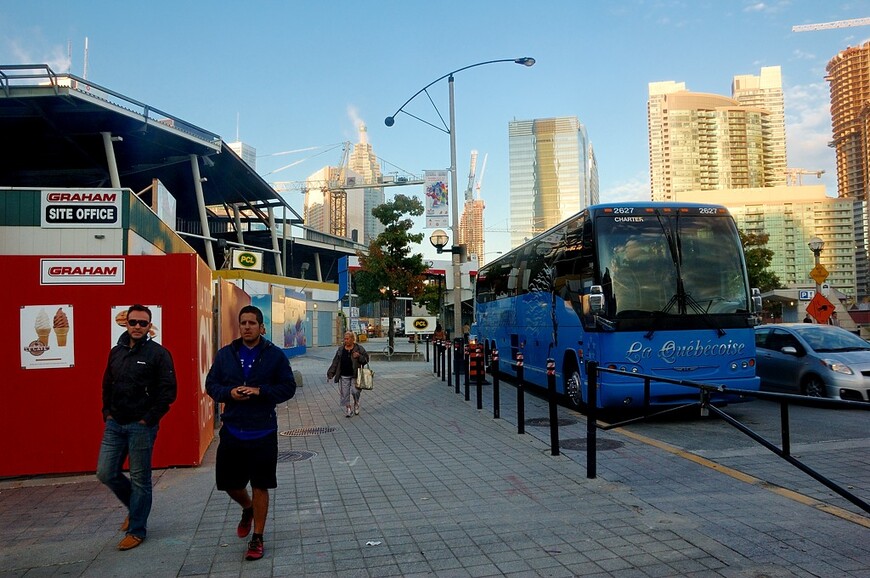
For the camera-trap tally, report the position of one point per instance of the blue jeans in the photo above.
(136, 441)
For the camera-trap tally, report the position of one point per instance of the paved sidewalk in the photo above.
(422, 483)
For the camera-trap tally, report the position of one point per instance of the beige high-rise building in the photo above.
(245, 151)
(765, 91)
(700, 141)
(791, 216)
(321, 211)
(364, 163)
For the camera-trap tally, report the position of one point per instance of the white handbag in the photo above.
(365, 378)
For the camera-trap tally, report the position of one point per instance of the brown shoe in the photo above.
(126, 525)
(129, 542)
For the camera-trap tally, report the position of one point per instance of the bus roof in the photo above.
(603, 208)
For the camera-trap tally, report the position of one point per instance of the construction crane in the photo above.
(469, 190)
(482, 170)
(830, 25)
(794, 176)
(338, 195)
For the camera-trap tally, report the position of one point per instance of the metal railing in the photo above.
(41, 75)
(705, 392)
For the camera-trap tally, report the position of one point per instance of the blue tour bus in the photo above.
(652, 288)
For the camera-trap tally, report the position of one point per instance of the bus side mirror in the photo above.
(756, 299)
(596, 299)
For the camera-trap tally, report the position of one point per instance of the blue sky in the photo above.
(289, 75)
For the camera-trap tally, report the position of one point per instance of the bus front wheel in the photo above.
(573, 387)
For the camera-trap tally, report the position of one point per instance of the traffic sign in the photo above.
(819, 273)
(820, 308)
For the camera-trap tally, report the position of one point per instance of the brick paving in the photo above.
(422, 483)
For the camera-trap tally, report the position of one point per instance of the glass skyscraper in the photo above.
(551, 174)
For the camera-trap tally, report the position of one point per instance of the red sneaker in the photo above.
(244, 527)
(255, 549)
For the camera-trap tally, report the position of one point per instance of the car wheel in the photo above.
(813, 387)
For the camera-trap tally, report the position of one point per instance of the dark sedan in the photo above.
(814, 360)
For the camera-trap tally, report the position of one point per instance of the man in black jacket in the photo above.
(138, 387)
(250, 377)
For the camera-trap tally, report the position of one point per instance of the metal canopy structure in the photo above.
(64, 131)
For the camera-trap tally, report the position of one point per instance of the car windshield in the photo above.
(831, 339)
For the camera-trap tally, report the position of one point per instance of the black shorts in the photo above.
(239, 462)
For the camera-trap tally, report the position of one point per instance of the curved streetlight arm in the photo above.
(390, 120)
(457, 250)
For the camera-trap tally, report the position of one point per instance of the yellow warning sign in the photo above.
(819, 273)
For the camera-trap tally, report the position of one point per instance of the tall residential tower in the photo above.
(849, 77)
(765, 91)
(700, 141)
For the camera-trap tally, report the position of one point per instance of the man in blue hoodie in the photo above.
(250, 376)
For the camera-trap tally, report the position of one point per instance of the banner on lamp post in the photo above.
(437, 207)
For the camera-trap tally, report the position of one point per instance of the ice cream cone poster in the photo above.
(119, 322)
(46, 336)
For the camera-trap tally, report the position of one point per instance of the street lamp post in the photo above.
(816, 245)
(455, 249)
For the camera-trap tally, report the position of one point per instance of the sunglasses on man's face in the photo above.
(139, 322)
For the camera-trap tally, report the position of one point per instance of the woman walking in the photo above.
(345, 365)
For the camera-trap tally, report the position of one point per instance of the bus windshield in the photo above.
(675, 264)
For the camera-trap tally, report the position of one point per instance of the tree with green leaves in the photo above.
(390, 269)
(758, 259)
(432, 297)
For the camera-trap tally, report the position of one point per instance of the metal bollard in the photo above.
(443, 362)
(495, 393)
(521, 402)
(591, 419)
(457, 363)
(448, 372)
(465, 361)
(476, 356)
(554, 413)
(436, 366)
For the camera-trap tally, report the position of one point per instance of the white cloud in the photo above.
(634, 189)
(767, 7)
(353, 115)
(55, 57)
(808, 132)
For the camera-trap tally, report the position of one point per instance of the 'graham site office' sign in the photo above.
(88, 208)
